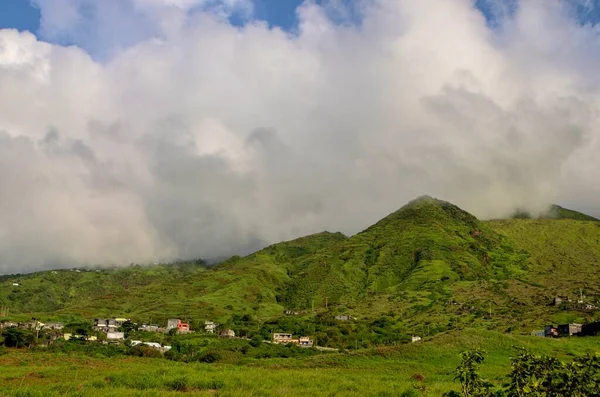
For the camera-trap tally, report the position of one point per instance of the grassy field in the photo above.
(425, 368)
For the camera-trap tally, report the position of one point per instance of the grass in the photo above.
(385, 371)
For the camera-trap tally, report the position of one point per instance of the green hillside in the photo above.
(427, 268)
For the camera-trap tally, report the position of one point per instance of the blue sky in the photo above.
(20, 14)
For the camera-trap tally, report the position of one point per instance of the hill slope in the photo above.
(429, 265)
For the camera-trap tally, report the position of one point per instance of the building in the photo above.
(416, 338)
(550, 331)
(53, 326)
(590, 329)
(304, 341)
(149, 328)
(101, 325)
(176, 323)
(210, 327)
(345, 318)
(227, 333)
(172, 323)
(88, 338)
(282, 338)
(569, 329)
(115, 335)
(540, 333)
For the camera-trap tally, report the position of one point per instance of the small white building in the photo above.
(115, 335)
(210, 327)
(15, 284)
(416, 338)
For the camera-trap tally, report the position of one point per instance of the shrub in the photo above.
(178, 384)
(409, 393)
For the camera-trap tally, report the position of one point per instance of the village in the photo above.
(114, 330)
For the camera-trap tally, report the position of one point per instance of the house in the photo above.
(282, 338)
(210, 327)
(176, 323)
(53, 326)
(550, 331)
(101, 324)
(115, 335)
(304, 341)
(8, 324)
(590, 329)
(569, 329)
(345, 318)
(416, 338)
(149, 328)
(15, 284)
(88, 338)
(540, 333)
(120, 321)
(557, 301)
(227, 333)
(172, 323)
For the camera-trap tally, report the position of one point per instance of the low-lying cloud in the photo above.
(185, 136)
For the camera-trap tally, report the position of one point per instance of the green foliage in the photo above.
(16, 337)
(533, 376)
(467, 374)
(425, 269)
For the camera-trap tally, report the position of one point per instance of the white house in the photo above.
(115, 335)
(416, 338)
(210, 327)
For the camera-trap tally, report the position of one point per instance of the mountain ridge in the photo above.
(407, 266)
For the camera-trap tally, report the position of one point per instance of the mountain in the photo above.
(556, 212)
(428, 264)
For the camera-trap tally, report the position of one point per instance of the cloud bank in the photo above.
(183, 136)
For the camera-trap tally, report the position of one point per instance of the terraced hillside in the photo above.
(428, 267)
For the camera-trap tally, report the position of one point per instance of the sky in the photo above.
(137, 131)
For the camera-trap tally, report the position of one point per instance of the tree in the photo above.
(127, 327)
(15, 337)
(472, 385)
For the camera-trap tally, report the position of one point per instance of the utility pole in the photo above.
(490, 309)
(325, 302)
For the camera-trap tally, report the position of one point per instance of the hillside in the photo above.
(428, 267)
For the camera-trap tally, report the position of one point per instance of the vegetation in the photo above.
(416, 369)
(428, 269)
(533, 375)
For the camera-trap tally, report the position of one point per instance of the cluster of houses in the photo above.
(567, 303)
(573, 329)
(33, 325)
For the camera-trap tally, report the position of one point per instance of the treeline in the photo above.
(531, 376)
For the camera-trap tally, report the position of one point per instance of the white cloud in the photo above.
(209, 139)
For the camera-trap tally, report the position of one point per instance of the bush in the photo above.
(256, 341)
(409, 393)
(145, 351)
(178, 384)
(209, 357)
